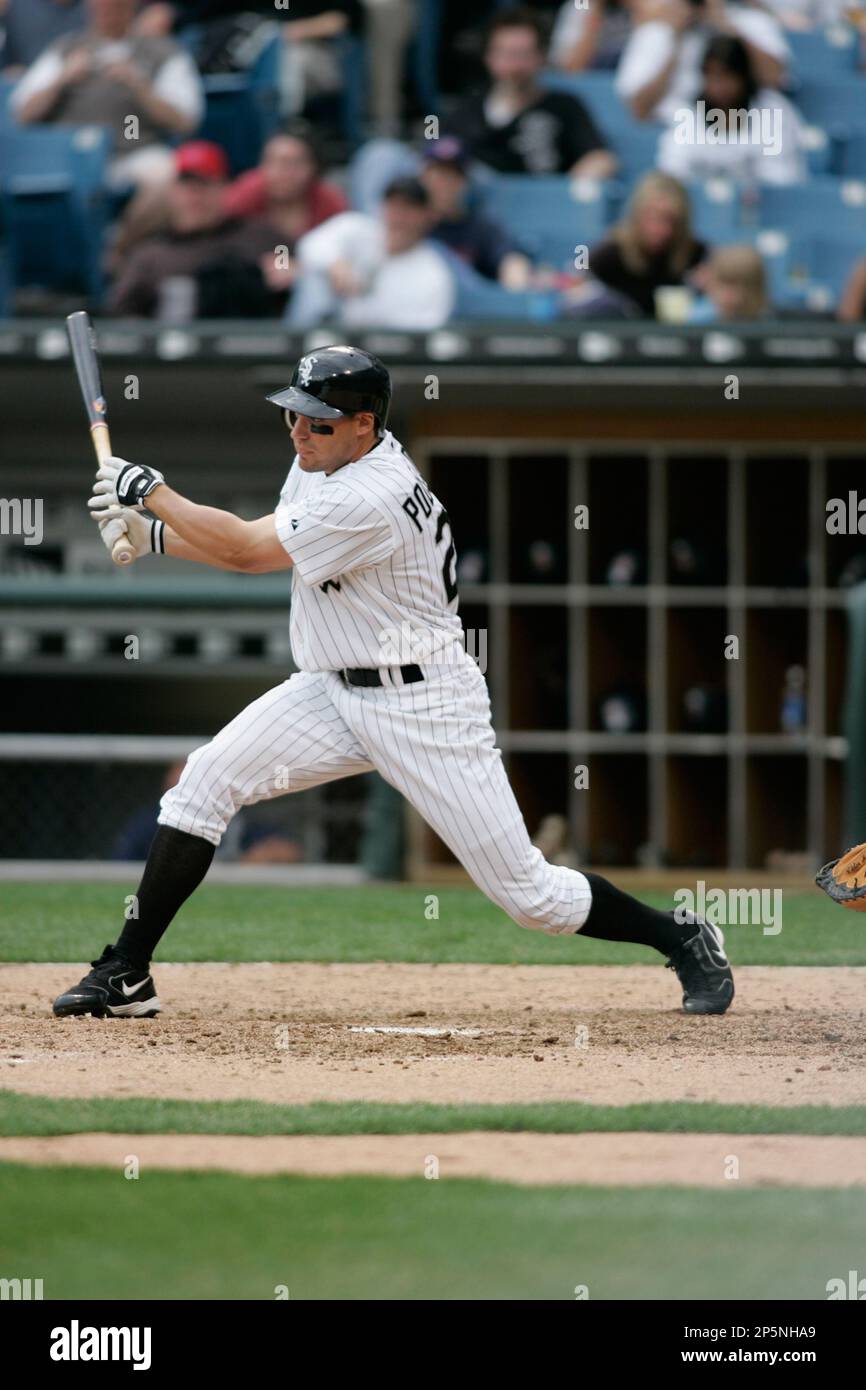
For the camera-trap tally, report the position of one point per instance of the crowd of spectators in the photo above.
(383, 229)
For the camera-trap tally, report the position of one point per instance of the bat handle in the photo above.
(122, 552)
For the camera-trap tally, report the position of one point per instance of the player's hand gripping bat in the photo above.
(82, 342)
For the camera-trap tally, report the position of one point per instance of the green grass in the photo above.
(92, 1234)
(72, 922)
(26, 1114)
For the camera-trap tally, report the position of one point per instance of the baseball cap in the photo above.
(201, 159)
(411, 190)
(447, 150)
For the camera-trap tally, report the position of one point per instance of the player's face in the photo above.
(318, 452)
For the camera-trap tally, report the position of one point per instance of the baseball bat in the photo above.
(84, 355)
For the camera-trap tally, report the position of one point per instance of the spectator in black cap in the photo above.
(478, 240)
(380, 271)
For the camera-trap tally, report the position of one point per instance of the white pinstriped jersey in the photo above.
(373, 585)
(373, 582)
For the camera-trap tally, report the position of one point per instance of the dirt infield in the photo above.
(610, 1160)
(530, 1033)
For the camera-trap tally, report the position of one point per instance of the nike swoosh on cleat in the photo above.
(134, 988)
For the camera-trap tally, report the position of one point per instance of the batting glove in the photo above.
(119, 483)
(145, 533)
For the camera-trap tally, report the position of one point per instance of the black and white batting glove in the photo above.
(119, 483)
(145, 533)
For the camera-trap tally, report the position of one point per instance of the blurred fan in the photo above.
(695, 562)
(622, 710)
(706, 709)
(472, 567)
(627, 567)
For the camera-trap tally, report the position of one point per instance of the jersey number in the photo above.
(449, 568)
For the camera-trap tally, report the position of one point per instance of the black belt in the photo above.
(369, 675)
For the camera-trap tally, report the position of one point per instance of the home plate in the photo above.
(421, 1032)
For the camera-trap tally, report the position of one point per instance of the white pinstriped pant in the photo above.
(432, 740)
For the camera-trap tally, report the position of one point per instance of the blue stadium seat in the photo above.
(824, 261)
(485, 300)
(243, 109)
(480, 298)
(832, 102)
(424, 54)
(7, 86)
(54, 204)
(821, 151)
(549, 217)
(634, 142)
(823, 53)
(852, 156)
(353, 95)
(807, 271)
(810, 209)
(717, 210)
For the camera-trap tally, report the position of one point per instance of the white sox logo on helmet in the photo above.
(305, 370)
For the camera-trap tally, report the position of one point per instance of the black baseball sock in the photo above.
(176, 864)
(617, 916)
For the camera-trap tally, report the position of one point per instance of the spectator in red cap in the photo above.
(286, 190)
(206, 265)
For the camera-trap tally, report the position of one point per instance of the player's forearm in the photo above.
(180, 549)
(219, 538)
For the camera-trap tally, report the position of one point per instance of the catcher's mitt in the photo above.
(845, 879)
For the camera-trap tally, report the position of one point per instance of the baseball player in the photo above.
(384, 682)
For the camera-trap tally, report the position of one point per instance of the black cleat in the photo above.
(703, 971)
(114, 988)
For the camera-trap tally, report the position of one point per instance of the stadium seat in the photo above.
(824, 261)
(243, 109)
(717, 210)
(480, 298)
(424, 54)
(838, 101)
(549, 217)
(823, 53)
(486, 300)
(804, 271)
(7, 118)
(353, 94)
(852, 154)
(54, 204)
(820, 151)
(810, 209)
(634, 142)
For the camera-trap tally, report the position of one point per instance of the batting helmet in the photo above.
(337, 381)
